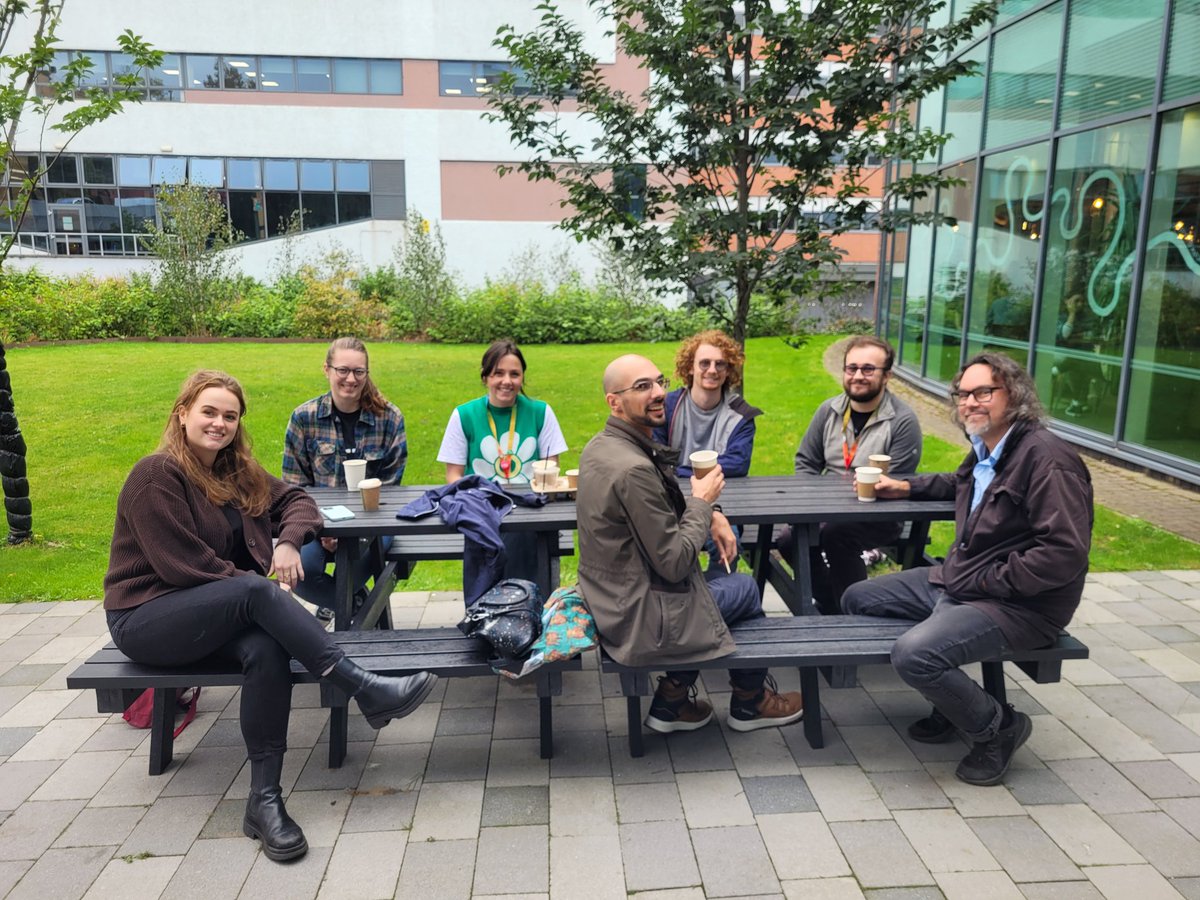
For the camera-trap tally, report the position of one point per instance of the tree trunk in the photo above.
(17, 505)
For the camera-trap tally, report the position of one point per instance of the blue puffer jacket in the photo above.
(734, 457)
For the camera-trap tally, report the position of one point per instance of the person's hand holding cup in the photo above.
(708, 486)
(865, 479)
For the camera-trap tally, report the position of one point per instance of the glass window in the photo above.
(319, 210)
(1008, 233)
(916, 285)
(1021, 81)
(62, 170)
(97, 76)
(206, 171)
(98, 170)
(126, 73)
(353, 207)
(133, 170)
(312, 75)
(1183, 63)
(281, 207)
(101, 213)
(316, 175)
(1112, 58)
(353, 176)
(168, 170)
(386, 76)
(964, 108)
(1094, 211)
(244, 173)
(279, 175)
(1165, 376)
(239, 73)
(246, 214)
(350, 76)
(456, 79)
(951, 266)
(166, 80)
(278, 73)
(202, 72)
(1010, 9)
(137, 209)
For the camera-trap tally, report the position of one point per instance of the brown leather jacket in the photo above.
(639, 543)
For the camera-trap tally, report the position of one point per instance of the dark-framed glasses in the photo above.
(642, 385)
(868, 370)
(981, 394)
(346, 372)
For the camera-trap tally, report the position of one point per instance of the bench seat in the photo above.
(446, 652)
(813, 643)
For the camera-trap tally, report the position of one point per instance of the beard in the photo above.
(864, 393)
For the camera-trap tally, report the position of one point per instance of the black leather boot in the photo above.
(266, 818)
(381, 697)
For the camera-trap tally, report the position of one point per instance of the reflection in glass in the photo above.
(124, 70)
(1010, 9)
(239, 73)
(386, 77)
(277, 73)
(243, 173)
(1021, 82)
(169, 170)
(62, 170)
(964, 108)
(353, 176)
(246, 214)
(1008, 231)
(281, 206)
(1094, 211)
(1112, 57)
(137, 208)
(1164, 387)
(98, 170)
(456, 79)
(166, 79)
(1183, 63)
(951, 264)
(101, 212)
(312, 75)
(202, 72)
(916, 286)
(319, 210)
(133, 170)
(279, 174)
(206, 171)
(316, 175)
(350, 76)
(352, 207)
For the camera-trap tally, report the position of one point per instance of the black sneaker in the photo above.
(933, 729)
(988, 761)
(324, 613)
(676, 707)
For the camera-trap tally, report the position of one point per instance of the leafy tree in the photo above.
(748, 100)
(29, 101)
(192, 276)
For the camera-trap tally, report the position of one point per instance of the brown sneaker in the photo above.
(766, 708)
(675, 707)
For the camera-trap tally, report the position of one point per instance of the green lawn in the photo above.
(88, 412)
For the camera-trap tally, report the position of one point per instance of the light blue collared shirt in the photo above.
(985, 470)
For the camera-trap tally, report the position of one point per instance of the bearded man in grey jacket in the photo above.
(639, 574)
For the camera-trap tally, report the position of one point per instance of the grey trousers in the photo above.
(929, 656)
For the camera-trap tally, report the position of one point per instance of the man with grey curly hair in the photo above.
(1014, 575)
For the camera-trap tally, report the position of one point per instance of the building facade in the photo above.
(1071, 243)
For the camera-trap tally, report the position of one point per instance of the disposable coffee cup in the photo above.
(545, 475)
(572, 478)
(703, 462)
(866, 477)
(369, 488)
(881, 461)
(356, 471)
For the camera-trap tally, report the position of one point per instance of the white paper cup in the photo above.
(866, 477)
(703, 462)
(369, 488)
(572, 478)
(545, 475)
(356, 471)
(881, 461)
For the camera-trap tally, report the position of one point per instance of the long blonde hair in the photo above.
(236, 478)
(372, 400)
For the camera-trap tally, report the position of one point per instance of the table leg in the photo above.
(343, 586)
(545, 541)
(805, 536)
(761, 557)
(810, 687)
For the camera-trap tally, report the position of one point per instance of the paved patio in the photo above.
(1104, 800)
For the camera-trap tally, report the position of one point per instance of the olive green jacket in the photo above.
(639, 545)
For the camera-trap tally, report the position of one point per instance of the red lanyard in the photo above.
(850, 450)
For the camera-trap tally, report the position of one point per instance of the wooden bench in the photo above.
(822, 642)
(446, 652)
(402, 558)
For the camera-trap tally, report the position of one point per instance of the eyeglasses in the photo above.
(346, 371)
(719, 365)
(642, 385)
(867, 370)
(981, 394)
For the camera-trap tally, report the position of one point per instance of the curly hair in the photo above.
(371, 399)
(236, 477)
(685, 358)
(1023, 402)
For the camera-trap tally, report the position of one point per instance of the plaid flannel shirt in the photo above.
(313, 449)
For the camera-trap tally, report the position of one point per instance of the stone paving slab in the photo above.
(1103, 801)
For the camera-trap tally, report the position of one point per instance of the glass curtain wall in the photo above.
(1072, 242)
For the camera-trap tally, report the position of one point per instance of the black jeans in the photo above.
(248, 619)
